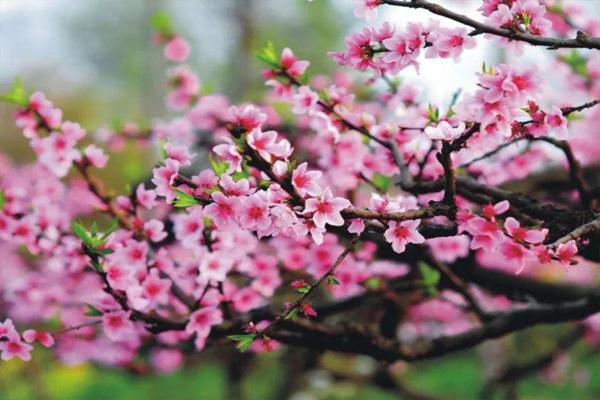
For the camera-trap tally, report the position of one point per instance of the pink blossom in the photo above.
(215, 266)
(513, 227)
(326, 209)
(222, 209)
(189, 227)
(402, 50)
(7, 328)
(134, 252)
(177, 49)
(366, 9)
(514, 253)
(166, 360)
(164, 178)
(305, 100)
(205, 181)
(180, 154)
(146, 198)
(358, 52)
(202, 320)
(444, 131)
(450, 43)
(13, 347)
(262, 142)
(156, 289)
(291, 64)
(266, 283)
(45, 338)
(248, 117)
(566, 251)
(155, 230)
(246, 299)
(489, 6)
(124, 203)
(532, 15)
(119, 276)
(557, 123)
(229, 153)
(117, 325)
(306, 182)
(253, 212)
(241, 187)
(486, 233)
(449, 249)
(357, 226)
(96, 156)
(56, 152)
(50, 115)
(401, 233)
(490, 211)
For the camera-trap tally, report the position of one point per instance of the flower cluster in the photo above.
(388, 50)
(351, 195)
(521, 15)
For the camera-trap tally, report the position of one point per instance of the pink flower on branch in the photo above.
(305, 181)
(13, 347)
(45, 338)
(366, 9)
(117, 325)
(399, 234)
(294, 67)
(177, 49)
(444, 131)
(326, 209)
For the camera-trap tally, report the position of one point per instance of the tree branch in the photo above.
(580, 41)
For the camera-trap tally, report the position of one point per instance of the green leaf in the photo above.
(161, 22)
(526, 18)
(485, 70)
(92, 311)
(303, 289)
(268, 55)
(184, 200)
(106, 251)
(243, 174)
(82, 233)
(293, 314)
(2, 199)
(17, 94)
(96, 264)
(332, 280)
(244, 341)
(381, 182)
(218, 166)
(433, 113)
(431, 278)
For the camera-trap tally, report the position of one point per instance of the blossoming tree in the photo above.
(375, 224)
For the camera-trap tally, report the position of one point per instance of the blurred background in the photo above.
(94, 59)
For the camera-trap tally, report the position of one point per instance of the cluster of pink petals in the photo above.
(400, 49)
(366, 9)
(504, 92)
(13, 344)
(523, 15)
(185, 87)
